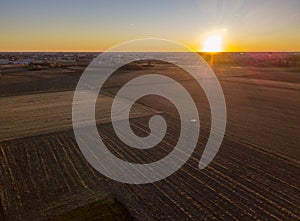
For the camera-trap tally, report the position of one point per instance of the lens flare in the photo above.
(212, 44)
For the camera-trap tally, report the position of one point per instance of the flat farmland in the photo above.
(261, 111)
(46, 178)
(47, 175)
(17, 80)
(40, 113)
(254, 176)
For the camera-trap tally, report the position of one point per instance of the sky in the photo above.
(96, 25)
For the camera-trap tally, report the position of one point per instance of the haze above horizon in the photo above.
(242, 25)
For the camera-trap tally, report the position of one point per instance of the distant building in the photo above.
(24, 61)
(4, 61)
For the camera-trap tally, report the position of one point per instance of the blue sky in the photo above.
(246, 25)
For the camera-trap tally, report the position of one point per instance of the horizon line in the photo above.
(151, 51)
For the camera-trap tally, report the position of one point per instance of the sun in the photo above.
(212, 43)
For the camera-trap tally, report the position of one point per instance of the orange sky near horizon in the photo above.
(243, 26)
